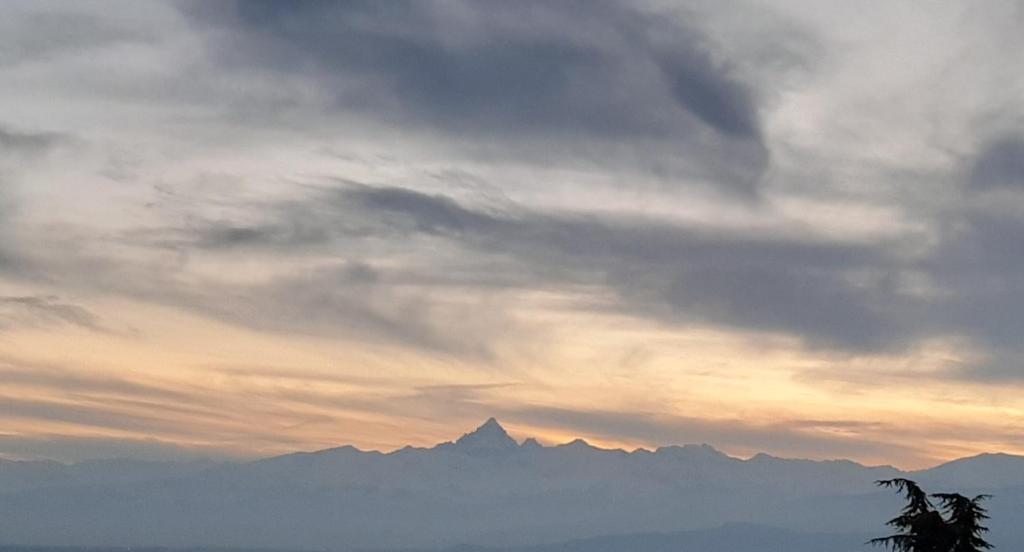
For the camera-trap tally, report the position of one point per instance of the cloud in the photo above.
(720, 102)
(70, 411)
(978, 265)
(29, 311)
(359, 301)
(34, 32)
(838, 296)
(598, 74)
(999, 164)
(19, 371)
(331, 298)
(24, 142)
(523, 158)
(861, 298)
(677, 273)
(830, 294)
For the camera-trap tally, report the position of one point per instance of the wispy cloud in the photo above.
(36, 311)
(528, 193)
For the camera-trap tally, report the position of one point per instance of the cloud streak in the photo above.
(593, 72)
(657, 268)
(623, 200)
(42, 311)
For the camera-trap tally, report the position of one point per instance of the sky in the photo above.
(233, 230)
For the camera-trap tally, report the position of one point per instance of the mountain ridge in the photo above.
(532, 442)
(493, 427)
(484, 488)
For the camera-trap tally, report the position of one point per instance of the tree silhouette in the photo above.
(922, 527)
(965, 516)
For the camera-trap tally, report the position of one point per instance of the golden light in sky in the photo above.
(220, 237)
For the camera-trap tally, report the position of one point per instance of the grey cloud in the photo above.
(332, 298)
(983, 266)
(1000, 365)
(581, 71)
(844, 297)
(720, 102)
(428, 213)
(338, 295)
(682, 273)
(25, 142)
(1000, 164)
(41, 310)
(979, 266)
(814, 303)
(225, 236)
(34, 31)
(356, 299)
(544, 85)
(658, 269)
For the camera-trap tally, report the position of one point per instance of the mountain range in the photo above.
(485, 490)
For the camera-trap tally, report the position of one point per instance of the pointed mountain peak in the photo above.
(489, 436)
(491, 425)
(531, 444)
(577, 444)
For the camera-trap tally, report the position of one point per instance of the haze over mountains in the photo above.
(484, 489)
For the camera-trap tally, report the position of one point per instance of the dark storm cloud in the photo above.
(584, 71)
(1000, 164)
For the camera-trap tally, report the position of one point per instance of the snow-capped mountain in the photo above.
(485, 488)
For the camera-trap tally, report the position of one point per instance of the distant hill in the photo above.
(482, 489)
(728, 538)
(735, 537)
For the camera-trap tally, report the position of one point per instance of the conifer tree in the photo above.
(965, 517)
(921, 528)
